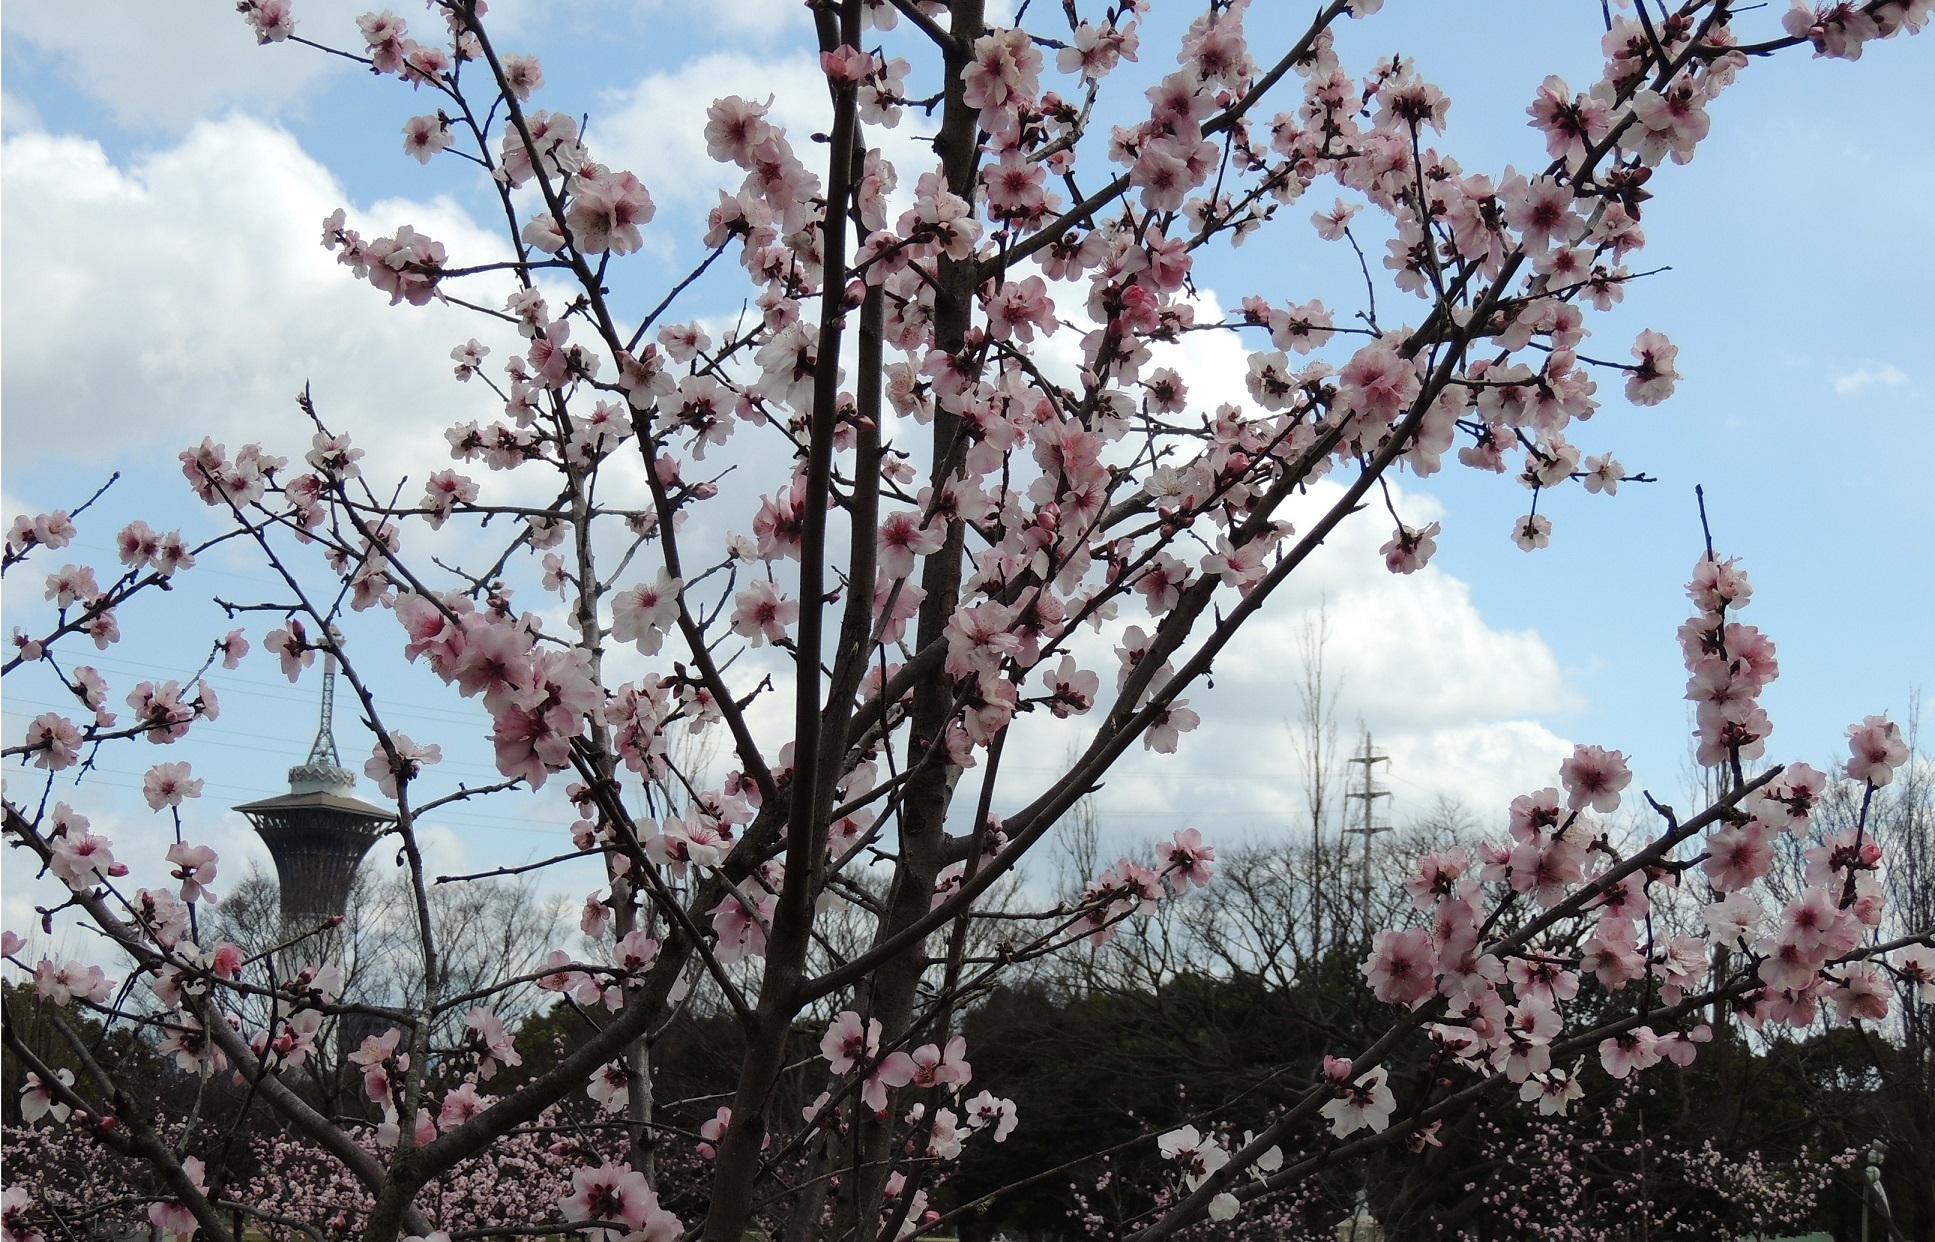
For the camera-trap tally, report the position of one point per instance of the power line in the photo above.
(201, 730)
(230, 682)
(131, 781)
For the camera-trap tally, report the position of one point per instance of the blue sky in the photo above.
(164, 179)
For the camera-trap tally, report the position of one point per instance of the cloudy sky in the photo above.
(164, 180)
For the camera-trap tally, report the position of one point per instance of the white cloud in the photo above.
(17, 114)
(1461, 707)
(658, 126)
(164, 66)
(762, 21)
(1458, 704)
(1869, 375)
(205, 303)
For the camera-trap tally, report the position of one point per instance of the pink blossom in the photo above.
(194, 866)
(614, 1195)
(1186, 860)
(72, 584)
(193, 1051)
(1719, 584)
(986, 1110)
(847, 1042)
(1241, 568)
(1627, 1051)
(1603, 474)
(232, 647)
(1541, 211)
(406, 266)
(941, 1067)
(636, 952)
(83, 860)
(1020, 309)
(1835, 30)
(1332, 224)
(1017, 193)
(1402, 967)
(761, 614)
(1093, 51)
(1072, 690)
(1437, 876)
(52, 530)
(523, 75)
(376, 1049)
(1542, 978)
(160, 713)
(1368, 1102)
(54, 741)
(1571, 123)
(424, 136)
(486, 1031)
(29, 648)
(1555, 1090)
(37, 1098)
(1167, 726)
(291, 647)
(902, 538)
(1737, 856)
(610, 1087)
(271, 20)
(1736, 919)
(166, 784)
(1862, 993)
(1916, 966)
(979, 639)
(410, 757)
(712, 1131)
(896, 1069)
(1548, 867)
(1199, 1154)
(1652, 380)
(1682, 1047)
(1671, 122)
(61, 982)
(1613, 955)
(1003, 77)
(741, 926)
(1409, 549)
(1378, 382)
(460, 1105)
(642, 614)
(1532, 532)
(606, 211)
(171, 1218)
(1877, 749)
(735, 129)
(1593, 777)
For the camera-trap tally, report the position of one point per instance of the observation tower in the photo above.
(317, 832)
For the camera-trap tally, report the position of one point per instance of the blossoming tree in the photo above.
(934, 531)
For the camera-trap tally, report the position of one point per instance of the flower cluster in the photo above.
(930, 537)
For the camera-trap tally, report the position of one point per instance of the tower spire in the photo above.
(322, 751)
(323, 770)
